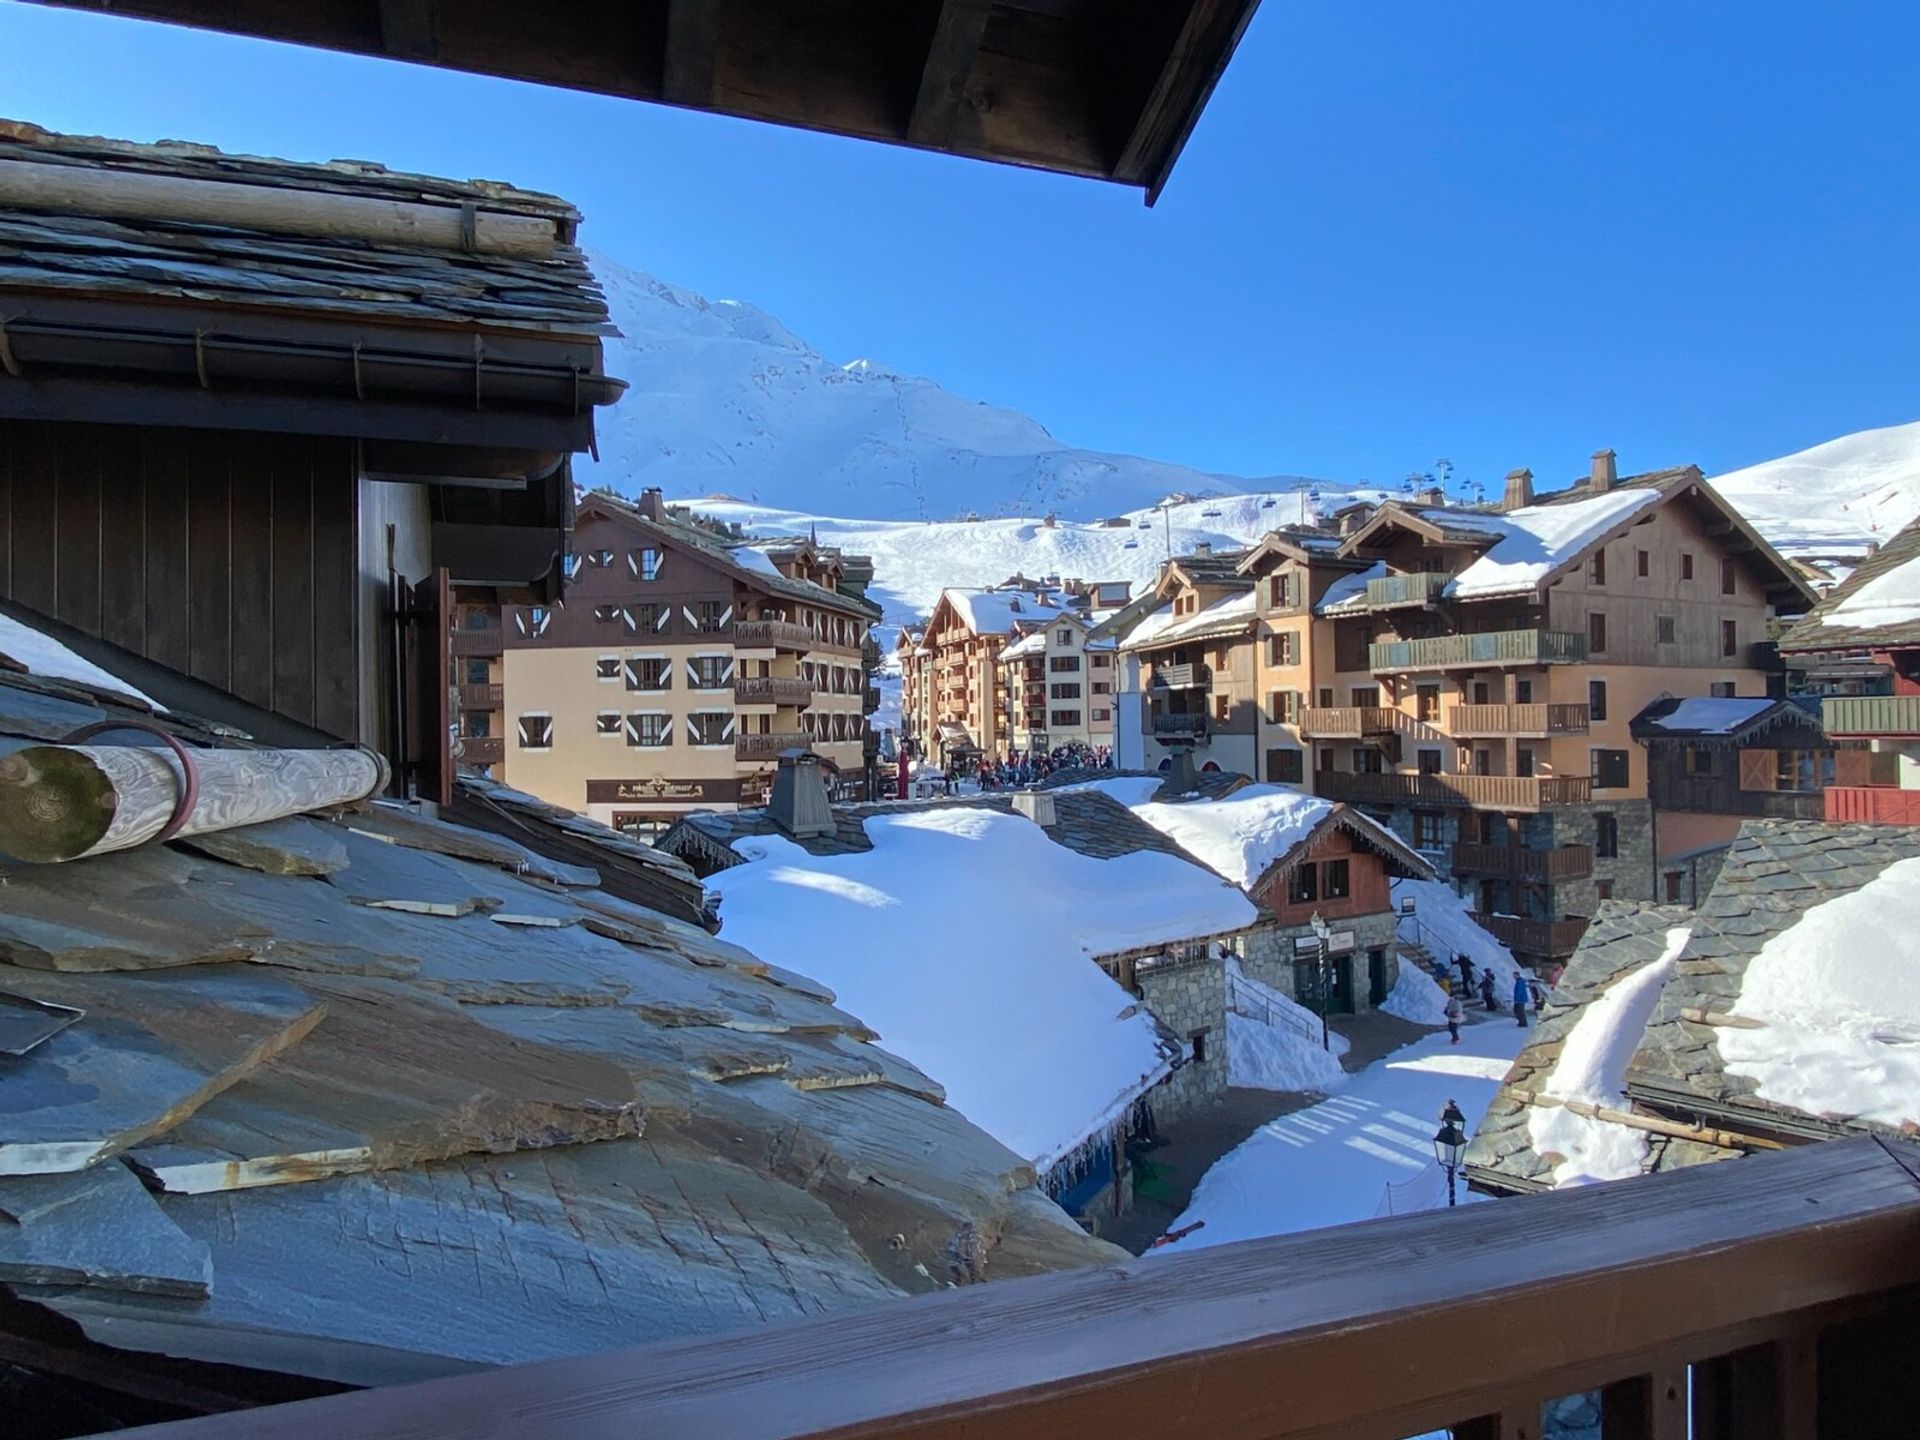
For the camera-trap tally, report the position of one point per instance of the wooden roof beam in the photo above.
(957, 32)
(693, 40)
(410, 29)
(1200, 52)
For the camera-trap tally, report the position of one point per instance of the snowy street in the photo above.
(1368, 1146)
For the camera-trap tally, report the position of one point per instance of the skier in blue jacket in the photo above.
(1522, 993)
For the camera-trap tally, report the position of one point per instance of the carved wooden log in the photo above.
(61, 802)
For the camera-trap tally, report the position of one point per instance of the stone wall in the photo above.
(1631, 871)
(1191, 1001)
(1270, 954)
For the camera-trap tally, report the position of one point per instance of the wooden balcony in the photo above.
(482, 749)
(1167, 725)
(1765, 1298)
(476, 644)
(772, 690)
(768, 747)
(771, 635)
(1892, 717)
(1521, 720)
(1516, 862)
(1352, 722)
(1555, 939)
(482, 697)
(1872, 804)
(1481, 792)
(1181, 677)
(1489, 650)
(1395, 591)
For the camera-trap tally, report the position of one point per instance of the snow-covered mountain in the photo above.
(1832, 501)
(726, 400)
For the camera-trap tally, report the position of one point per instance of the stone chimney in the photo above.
(1180, 773)
(1203, 547)
(652, 504)
(799, 801)
(1036, 805)
(1432, 495)
(1603, 472)
(1519, 489)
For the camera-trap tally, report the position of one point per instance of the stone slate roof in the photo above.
(1722, 719)
(369, 1096)
(1774, 873)
(46, 251)
(1813, 633)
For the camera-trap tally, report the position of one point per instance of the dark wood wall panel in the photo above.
(228, 557)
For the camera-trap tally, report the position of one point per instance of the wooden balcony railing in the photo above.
(1761, 1297)
(1352, 722)
(482, 697)
(1869, 716)
(476, 644)
(1397, 590)
(1873, 804)
(771, 634)
(1484, 792)
(768, 747)
(1517, 720)
(772, 690)
(1181, 677)
(1170, 726)
(1492, 648)
(1552, 938)
(1516, 862)
(482, 749)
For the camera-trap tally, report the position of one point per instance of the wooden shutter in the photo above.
(1757, 769)
(1851, 767)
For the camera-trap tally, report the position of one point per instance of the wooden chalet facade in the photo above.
(680, 665)
(225, 453)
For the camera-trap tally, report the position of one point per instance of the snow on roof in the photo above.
(965, 937)
(1534, 541)
(1161, 628)
(1840, 1016)
(44, 656)
(1592, 1067)
(1350, 588)
(1239, 835)
(1712, 716)
(1034, 644)
(994, 612)
(749, 557)
(1892, 598)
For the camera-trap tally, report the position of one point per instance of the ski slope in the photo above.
(1832, 501)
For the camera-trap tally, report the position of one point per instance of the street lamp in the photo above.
(1324, 934)
(1450, 1144)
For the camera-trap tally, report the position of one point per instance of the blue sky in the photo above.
(1504, 233)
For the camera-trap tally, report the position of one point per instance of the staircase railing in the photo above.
(1244, 1000)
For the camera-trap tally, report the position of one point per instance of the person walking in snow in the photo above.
(1486, 990)
(1521, 994)
(1454, 1016)
(1466, 972)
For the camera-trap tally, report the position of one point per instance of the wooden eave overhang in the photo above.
(1108, 89)
(1399, 860)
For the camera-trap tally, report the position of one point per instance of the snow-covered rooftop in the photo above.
(1348, 590)
(753, 558)
(44, 656)
(1536, 540)
(1891, 598)
(1223, 616)
(1026, 645)
(1712, 715)
(965, 937)
(994, 612)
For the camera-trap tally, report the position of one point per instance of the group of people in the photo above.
(1017, 768)
(1526, 993)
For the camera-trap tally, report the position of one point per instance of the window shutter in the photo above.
(1756, 769)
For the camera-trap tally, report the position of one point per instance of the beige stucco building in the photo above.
(1056, 686)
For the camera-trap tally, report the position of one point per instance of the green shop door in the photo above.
(1376, 978)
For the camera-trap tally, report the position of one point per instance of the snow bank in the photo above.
(964, 938)
(1286, 1055)
(1889, 599)
(45, 656)
(1416, 997)
(1593, 1067)
(1447, 927)
(1838, 994)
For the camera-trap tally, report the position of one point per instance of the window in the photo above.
(1283, 707)
(1523, 692)
(1222, 708)
(1729, 637)
(1663, 629)
(1523, 760)
(1729, 578)
(1285, 767)
(1597, 633)
(1198, 1041)
(1303, 885)
(1427, 703)
(479, 672)
(1640, 563)
(1597, 567)
(1673, 880)
(1603, 889)
(533, 621)
(607, 722)
(650, 673)
(570, 566)
(1327, 761)
(1686, 566)
(1101, 662)
(1699, 760)
(1064, 664)
(1284, 648)
(650, 728)
(1596, 699)
(1335, 882)
(1103, 687)
(1101, 717)
(710, 617)
(1280, 592)
(644, 563)
(1721, 689)
(600, 559)
(1606, 837)
(708, 727)
(1325, 700)
(1609, 769)
(606, 614)
(1428, 830)
(1065, 692)
(607, 667)
(1802, 769)
(1429, 762)
(650, 617)
(1368, 761)
(478, 723)
(1066, 719)
(710, 672)
(536, 732)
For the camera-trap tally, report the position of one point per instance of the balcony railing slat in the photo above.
(1387, 1327)
(1488, 792)
(1870, 715)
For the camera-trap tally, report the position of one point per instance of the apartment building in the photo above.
(1056, 686)
(682, 661)
(1474, 684)
(964, 702)
(1859, 652)
(914, 661)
